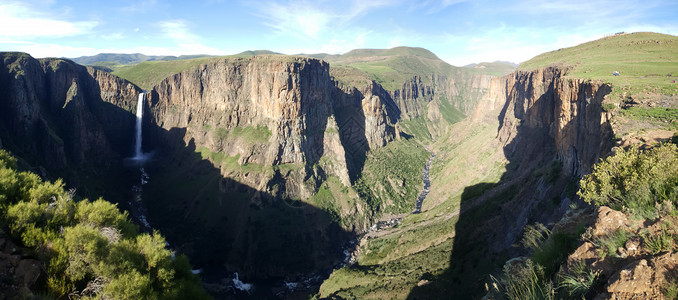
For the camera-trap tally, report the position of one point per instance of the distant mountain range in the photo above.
(128, 59)
(107, 59)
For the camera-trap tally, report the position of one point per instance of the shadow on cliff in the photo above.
(225, 226)
(351, 122)
(537, 186)
(54, 120)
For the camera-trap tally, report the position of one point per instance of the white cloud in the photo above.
(187, 42)
(139, 6)
(313, 19)
(434, 6)
(18, 20)
(113, 36)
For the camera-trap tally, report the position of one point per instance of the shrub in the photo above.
(579, 281)
(634, 181)
(89, 248)
(611, 242)
(659, 243)
(534, 236)
(525, 280)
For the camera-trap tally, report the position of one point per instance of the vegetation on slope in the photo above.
(634, 181)
(88, 246)
(644, 95)
(149, 73)
(646, 63)
(389, 67)
(497, 68)
(640, 183)
(387, 183)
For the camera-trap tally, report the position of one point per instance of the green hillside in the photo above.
(647, 62)
(149, 73)
(389, 67)
(643, 98)
(497, 68)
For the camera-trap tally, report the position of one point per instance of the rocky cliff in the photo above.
(542, 106)
(459, 88)
(63, 118)
(285, 108)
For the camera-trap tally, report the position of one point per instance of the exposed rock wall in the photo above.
(461, 89)
(564, 113)
(293, 98)
(62, 116)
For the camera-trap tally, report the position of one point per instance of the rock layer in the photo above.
(544, 110)
(293, 99)
(60, 116)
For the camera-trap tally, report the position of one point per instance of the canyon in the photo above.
(271, 166)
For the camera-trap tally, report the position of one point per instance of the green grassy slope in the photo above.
(643, 100)
(149, 73)
(497, 68)
(389, 67)
(647, 62)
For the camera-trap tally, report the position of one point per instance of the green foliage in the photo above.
(534, 236)
(661, 242)
(611, 242)
(643, 59)
(89, 242)
(386, 178)
(555, 251)
(670, 289)
(579, 281)
(248, 134)
(525, 280)
(101, 213)
(634, 181)
(609, 106)
(657, 113)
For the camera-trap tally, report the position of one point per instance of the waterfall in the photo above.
(138, 155)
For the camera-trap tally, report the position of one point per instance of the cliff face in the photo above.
(286, 104)
(463, 91)
(562, 112)
(61, 116)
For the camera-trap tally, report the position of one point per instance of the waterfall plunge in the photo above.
(138, 155)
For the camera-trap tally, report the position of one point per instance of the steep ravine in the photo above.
(546, 130)
(551, 129)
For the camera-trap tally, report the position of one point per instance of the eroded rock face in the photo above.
(462, 90)
(18, 271)
(543, 107)
(59, 115)
(298, 111)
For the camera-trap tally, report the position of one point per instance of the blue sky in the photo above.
(458, 31)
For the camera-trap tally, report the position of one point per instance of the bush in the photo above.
(634, 181)
(611, 242)
(661, 242)
(89, 248)
(525, 280)
(579, 281)
(534, 236)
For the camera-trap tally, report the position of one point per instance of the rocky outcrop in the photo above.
(296, 113)
(543, 110)
(459, 88)
(61, 116)
(19, 271)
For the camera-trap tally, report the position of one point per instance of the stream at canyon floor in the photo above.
(300, 284)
